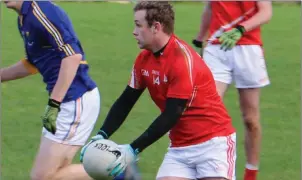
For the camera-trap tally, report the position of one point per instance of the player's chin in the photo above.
(141, 46)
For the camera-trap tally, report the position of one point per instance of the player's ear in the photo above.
(155, 27)
(152, 29)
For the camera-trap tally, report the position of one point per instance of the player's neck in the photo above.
(18, 7)
(160, 43)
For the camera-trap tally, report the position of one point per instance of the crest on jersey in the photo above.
(165, 79)
(145, 72)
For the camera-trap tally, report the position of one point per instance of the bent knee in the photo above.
(36, 175)
(252, 123)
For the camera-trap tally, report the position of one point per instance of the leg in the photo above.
(249, 105)
(175, 166)
(214, 178)
(172, 178)
(221, 88)
(77, 170)
(74, 125)
(220, 67)
(218, 159)
(250, 75)
(53, 162)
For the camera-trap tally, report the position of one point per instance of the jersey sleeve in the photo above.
(55, 28)
(30, 67)
(181, 77)
(136, 81)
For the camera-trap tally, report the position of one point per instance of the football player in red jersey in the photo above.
(234, 52)
(203, 140)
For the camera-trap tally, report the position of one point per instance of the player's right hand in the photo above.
(94, 138)
(128, 158)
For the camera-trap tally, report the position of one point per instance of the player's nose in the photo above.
(134, 32)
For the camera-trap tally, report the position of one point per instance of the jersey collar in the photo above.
(166, 48)
(160, 52)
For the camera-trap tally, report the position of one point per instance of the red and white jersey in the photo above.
(228, 14)
(179, 72)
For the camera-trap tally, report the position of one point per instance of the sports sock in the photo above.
(250, 172)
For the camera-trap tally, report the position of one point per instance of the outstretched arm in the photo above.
(116, 115)
(161, 125)
(19, 70)
(120, 110)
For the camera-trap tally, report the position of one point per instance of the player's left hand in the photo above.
(50, 116)
(230, 38)
(131, 172)
(128, 158)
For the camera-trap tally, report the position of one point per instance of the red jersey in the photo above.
(179, 72)
(228, 14)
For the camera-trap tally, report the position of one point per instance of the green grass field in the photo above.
(105, 30)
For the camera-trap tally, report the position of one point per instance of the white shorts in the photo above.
(245, 64)
(76, 119)
(213, 158)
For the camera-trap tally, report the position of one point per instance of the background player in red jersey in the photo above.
(203, 140)
(234, 52)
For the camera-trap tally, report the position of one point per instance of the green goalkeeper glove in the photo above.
(50, 116)
(230, 38)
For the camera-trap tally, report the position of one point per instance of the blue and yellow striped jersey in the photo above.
(49, 37)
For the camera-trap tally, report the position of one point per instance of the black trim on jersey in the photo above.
(159, 52)
(120, 110)
(162, 124)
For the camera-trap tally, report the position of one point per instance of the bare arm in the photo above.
(69, 67)
(17, 71)
(205, 22)
(263, 15)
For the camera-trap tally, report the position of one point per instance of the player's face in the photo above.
(142, 32)
(13, 4)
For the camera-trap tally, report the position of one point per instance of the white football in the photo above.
(98, 157)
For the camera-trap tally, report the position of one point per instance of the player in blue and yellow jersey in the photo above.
(54, 50)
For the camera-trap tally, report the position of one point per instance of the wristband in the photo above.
(197, 43)
(136, 151)
(54, 103)
(241, 29)
(102, 133)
